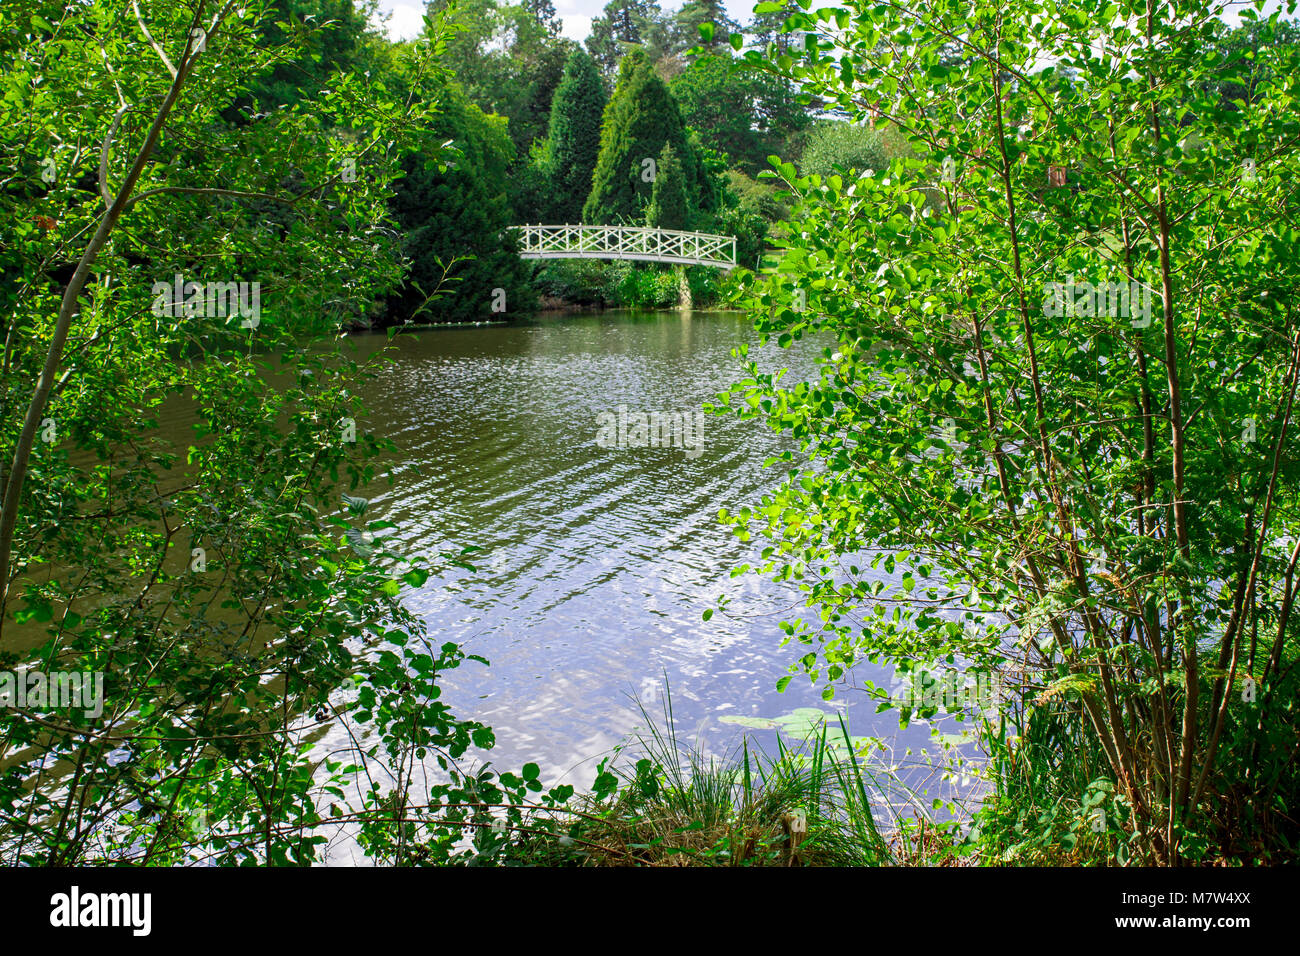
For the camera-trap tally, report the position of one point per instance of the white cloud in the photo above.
(405, 18)
(576, 26)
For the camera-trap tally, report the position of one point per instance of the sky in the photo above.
(408, 15)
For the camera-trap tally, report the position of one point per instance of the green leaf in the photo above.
(416, 577)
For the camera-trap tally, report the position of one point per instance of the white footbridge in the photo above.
(642, 243)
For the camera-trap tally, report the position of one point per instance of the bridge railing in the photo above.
(644, 243)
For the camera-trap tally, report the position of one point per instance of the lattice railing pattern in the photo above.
(626, 242)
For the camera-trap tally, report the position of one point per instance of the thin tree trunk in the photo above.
(69, 308)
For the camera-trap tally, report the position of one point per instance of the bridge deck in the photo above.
(642, 243)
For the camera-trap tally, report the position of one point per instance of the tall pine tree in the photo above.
(685, 29)
(625, 23)
(573, 142)
(641, 118)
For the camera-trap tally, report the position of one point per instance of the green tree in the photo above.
(623, 25)
(544, 12)
(224, 587)
(328, 35)
(455, 223)
(573, 140)
(686, 22)
(509, 59)
(768, 26)
(1053, 439)
(835, 146)
(1238, 73)
(747, 115)
(639, 120)
(747, 211)
(669, 208)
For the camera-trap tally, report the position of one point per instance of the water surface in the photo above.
(596, 563)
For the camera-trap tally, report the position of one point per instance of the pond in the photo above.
(599, 552)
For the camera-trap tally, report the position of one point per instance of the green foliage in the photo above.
(669, 206)
(1240, 48)
(707, 285)
(837, 147)
(328, 36)
(640, 119)
(583, 282)
(228, 585)
(767, 25)
(670, 804)
(623, 25)
(455, 223)
(753, 197)
(509, 59)
(573, 139)
(693, 14)
(1052, 803)
(746, 115)
(530, 188)
(1094, 497)
(618, 284)
(627, 25)
(747, 210)
(645, 286)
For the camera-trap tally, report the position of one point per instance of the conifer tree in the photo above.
(461, 213)
(574, 137)
(641, 118)
(669, 208)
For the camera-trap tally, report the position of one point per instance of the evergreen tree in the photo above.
(769, 27)
(574, 137)
(641, 117)
(462, 212)
(508, 59)
(669, 208)
(544, 11)
(747, 115)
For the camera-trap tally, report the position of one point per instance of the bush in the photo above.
(585, 282)
(1054, 439)
(838, 147)
(648, 287)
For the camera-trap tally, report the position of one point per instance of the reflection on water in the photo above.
(596, 563)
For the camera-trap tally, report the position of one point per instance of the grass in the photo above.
(1047, 783)
(1054, 800)
(814, 805)
(1051, 800)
